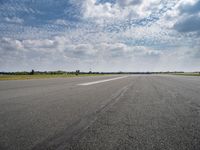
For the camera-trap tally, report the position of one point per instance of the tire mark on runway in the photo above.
(77, 128)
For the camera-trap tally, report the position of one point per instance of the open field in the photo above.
(43, 76)
(47, 76)
(187, 74)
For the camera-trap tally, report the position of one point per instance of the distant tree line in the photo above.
(32, 72)
(77, 72)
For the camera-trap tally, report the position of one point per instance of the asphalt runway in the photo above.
(141, 112)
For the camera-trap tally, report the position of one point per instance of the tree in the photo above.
(32, 72)
(77, 72)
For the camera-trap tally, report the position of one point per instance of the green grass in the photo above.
(43, 76)
(187, 74)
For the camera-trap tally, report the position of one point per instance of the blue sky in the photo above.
(104, 35)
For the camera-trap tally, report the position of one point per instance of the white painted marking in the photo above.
(101, 81)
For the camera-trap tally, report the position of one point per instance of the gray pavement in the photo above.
(144, 112)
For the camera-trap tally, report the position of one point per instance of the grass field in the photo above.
(187, 74)
(43, 76)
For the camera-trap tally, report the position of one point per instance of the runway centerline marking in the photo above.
(101, 81)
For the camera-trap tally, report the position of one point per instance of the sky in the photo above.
(100, 35)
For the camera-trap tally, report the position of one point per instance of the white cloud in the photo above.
(14, 20)
(60, 52)
(128, 35)
(61, 22)
(125, 9)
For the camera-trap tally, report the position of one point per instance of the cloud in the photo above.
(121, 9)
(107, 35)
(14, 20)
(60, 50)
(189, 19)
(10, 45)
(61, 22)
(188, 24)
(124, 3)
(189, 7)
